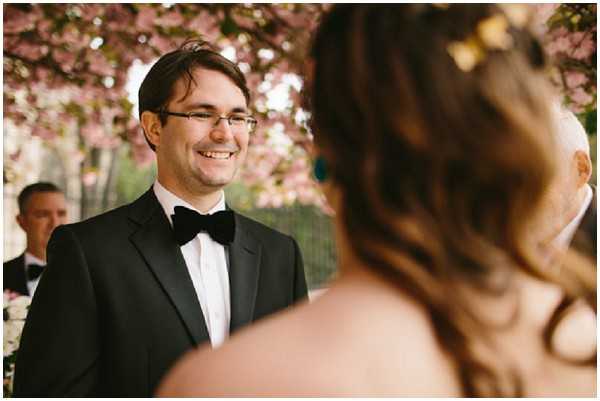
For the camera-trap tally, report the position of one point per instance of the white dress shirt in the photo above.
(32, 284)
(207, 266)
(563, 239)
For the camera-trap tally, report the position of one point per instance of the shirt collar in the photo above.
(567, 233)
(169, 200)
(32, 260)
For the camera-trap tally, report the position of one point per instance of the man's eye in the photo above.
(203, 116)
(238, 119)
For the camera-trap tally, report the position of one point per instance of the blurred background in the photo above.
(72, 72)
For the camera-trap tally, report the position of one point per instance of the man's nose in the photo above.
(221, 132)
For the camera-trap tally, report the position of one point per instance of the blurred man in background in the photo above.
(42, 207)
(571, 202)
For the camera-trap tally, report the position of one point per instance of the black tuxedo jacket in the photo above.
(585, 237)
(14, 275)
(116, 307)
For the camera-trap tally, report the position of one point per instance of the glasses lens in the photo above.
(239, 121)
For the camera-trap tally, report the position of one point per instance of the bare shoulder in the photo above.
(349, 342)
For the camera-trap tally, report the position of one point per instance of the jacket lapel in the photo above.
(244, 261)
(155, 241)
(21, 276)
(589, 218)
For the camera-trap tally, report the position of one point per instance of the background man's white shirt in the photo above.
(207, 265)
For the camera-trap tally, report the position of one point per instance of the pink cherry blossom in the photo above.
(202, 21)
(575, 78)
(170, 20)
(92, 133)
(11, 294)
(146, 19)
(571, 41)
(43, 132)
(541, 15)
(560, 45)
(584, 49)
(16, 21)
(78, 156)
(99, 64)
(65, 58)
(90, 11)
(89, 178)
(15, 155)
(161, 43)
(580, 96)
(73, 37)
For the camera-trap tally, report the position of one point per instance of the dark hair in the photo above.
(31, 189)
(440, 167)
(157, 88)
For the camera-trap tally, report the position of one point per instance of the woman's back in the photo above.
(363, 338)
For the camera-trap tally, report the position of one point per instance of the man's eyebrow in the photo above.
(212, 107)
(200, 106)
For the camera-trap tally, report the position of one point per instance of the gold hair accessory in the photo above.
(491, 33)
(466, 54)
(517, 14)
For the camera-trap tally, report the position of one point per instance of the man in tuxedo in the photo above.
(571, 203)
(128, 292)
(42, 208)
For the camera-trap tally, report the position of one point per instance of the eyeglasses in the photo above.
(237, 122)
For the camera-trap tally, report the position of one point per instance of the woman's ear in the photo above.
(152, 127)
(333, 194)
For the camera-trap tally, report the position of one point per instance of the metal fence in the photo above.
(312, 230)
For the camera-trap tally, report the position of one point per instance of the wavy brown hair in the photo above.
(440, 169)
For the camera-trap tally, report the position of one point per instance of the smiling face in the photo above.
(196, 157)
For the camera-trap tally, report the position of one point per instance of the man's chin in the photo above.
(215, 182)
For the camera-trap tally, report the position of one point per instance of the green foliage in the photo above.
(132, 180)
(589, 122)
(229, 27)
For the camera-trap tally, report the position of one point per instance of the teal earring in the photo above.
(319, 169)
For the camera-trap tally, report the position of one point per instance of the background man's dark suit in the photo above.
(585, 237)
(116, 306)
(14, 275)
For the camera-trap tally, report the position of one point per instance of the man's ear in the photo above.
(583, 163)
(21, 221)
(152, 127)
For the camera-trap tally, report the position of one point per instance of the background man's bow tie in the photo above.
(34, 271)
(188, 223)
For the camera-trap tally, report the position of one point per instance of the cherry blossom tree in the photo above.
(570, 36)
(66, 66)
(65, 71)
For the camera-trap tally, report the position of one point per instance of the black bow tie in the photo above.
(188, 223)
(34, 271)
